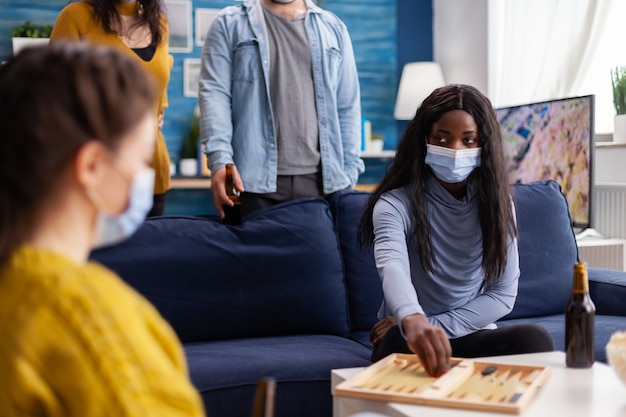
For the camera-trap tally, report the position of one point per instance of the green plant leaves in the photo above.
(618, 80)
(31, 30)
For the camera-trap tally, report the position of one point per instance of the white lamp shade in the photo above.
(418, 80)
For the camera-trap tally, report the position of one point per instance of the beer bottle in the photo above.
(579, 322)
(264, 398)
(232, 215)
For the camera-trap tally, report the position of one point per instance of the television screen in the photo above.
(553, 140)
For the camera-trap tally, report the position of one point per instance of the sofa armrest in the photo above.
(607, 288)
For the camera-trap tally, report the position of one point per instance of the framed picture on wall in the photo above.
(179, 18)
(204, 19)
(191, 77)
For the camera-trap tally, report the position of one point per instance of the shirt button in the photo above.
(320, 96)
(317, 68)
(324, 148)
(271, 145)
(323, 122)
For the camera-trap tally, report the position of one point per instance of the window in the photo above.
(548, 49)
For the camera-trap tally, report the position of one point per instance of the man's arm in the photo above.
(215, 96)
(215, 109)
(349, 110)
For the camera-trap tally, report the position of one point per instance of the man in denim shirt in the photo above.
(279, 98)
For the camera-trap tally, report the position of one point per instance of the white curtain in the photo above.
(543, 49)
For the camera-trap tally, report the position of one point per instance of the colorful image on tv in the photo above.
(553, 140)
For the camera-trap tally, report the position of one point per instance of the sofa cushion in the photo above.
(278, 273)
(604, 327)
(365, 292)
(226, 372)
(547, 250)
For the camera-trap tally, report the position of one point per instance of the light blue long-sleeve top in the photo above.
(454, 296)
(237, 121)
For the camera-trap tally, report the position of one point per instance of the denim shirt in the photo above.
(237, 124)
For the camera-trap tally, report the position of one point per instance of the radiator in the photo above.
(603, 253)
(609, 209)
(609, 219)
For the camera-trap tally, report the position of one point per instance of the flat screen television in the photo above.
(553, 140)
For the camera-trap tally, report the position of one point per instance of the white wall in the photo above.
(460, 41)
(461, 44)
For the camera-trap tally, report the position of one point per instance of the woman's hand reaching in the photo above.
(429, 343)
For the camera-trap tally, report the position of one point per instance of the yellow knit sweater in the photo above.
(77, 22)
(75, 340)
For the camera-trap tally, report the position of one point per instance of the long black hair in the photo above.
(409, 169)
(151, 14)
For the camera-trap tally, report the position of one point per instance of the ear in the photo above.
(89, 164)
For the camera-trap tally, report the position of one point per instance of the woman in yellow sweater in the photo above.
(78, 135)
(138, 28)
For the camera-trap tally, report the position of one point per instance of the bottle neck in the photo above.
(580, 284)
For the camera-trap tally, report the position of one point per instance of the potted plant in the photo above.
(30, 34)
(188, 165)
(618, 81)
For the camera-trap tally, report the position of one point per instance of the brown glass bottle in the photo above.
(232, 215)
(580, 316)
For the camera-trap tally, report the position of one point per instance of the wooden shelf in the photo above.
(382, 154)
(191, 183)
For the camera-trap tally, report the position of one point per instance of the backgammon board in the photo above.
(468, 384)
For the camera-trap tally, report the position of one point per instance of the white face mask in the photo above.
(450, 165)
(112, 229)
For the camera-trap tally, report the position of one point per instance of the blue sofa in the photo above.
(289, 294)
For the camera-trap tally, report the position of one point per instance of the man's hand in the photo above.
(429, 343)
(218, 186)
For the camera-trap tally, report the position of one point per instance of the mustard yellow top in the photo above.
(77, 22)
(75, 340)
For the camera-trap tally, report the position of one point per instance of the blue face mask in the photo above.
(112, 229)
(450, 165)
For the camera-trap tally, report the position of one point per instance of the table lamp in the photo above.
(418, 80)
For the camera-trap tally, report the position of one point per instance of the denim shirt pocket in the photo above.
(334, 58)
(246, 60)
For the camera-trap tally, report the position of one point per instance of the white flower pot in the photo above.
(188, 167)
(21, 43)
(619, 128)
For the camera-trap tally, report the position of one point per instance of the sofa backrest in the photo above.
(365, 292)
(547, 250)
(278, 273)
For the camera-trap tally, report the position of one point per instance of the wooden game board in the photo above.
(468, 384)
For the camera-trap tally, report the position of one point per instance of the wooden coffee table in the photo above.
(568, 392)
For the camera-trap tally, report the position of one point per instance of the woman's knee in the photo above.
(532, 338)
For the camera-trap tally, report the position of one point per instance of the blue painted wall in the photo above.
(385, 34)
(415, 41)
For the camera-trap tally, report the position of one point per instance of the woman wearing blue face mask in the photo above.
(78, 135)
(445, 239)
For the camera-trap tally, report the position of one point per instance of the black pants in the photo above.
(506, 340)
(288, 187)
(158, 205)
